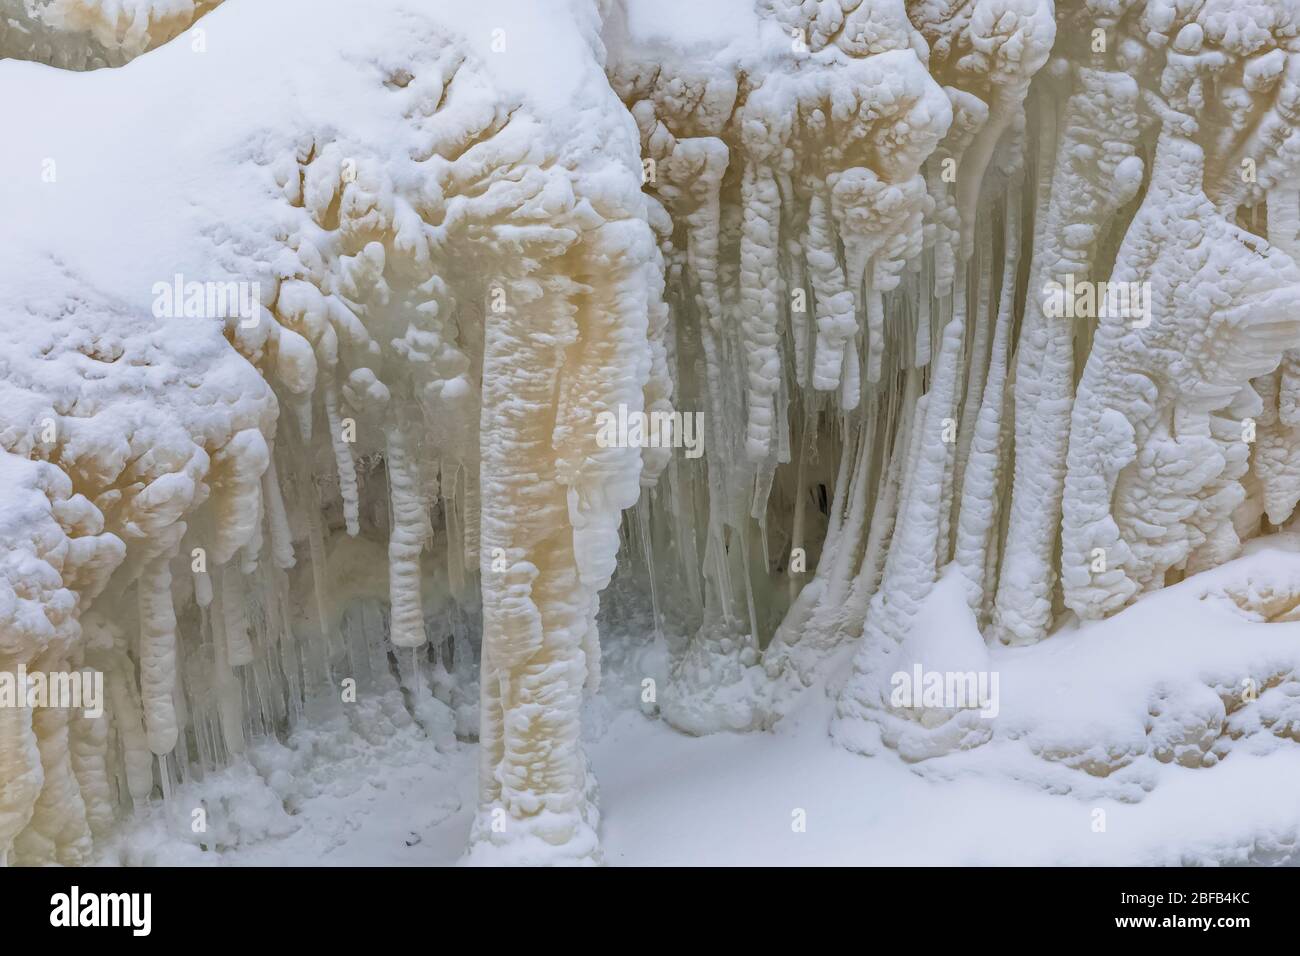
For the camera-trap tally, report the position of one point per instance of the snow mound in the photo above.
(1199, 673)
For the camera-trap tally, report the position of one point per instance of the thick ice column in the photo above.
(58, 831)
(837, 322)
(88, 740)
(532, 769)
(551, 503)
(980, 490)
(158, 654)
(1095, 173)
(705, 160)
(759, 288)
(21, 774)
(236, 502)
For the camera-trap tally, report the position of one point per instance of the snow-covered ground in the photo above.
(729, 799)
(791, 796)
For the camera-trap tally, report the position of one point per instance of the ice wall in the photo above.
(839, 233)
(449, 277)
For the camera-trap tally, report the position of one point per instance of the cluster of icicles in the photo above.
(836, 255)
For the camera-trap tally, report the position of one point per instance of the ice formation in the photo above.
(989, 310)
(89, 34)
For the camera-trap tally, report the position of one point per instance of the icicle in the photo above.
(959, 306)
(158, 655)
(202, 588)
(758, 292)
(470, 517)
(643, 524)
(347, 469)
(836, 319)
(316, 544)
(405, 542)
(752, 628)
(180, 703)
(58, 832)
(838, 563)
(276, 519)
(923, 294)
(795, 245)
(910, 569)
(703, 227)
(88, 740)
(236, 501)
(684, 534)
(885, 512)
(251, 553)
(454, 536)
(807, 433)
(230, 709)
(137, 758)
(289, 646)
(982, 328)
(239, 650)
